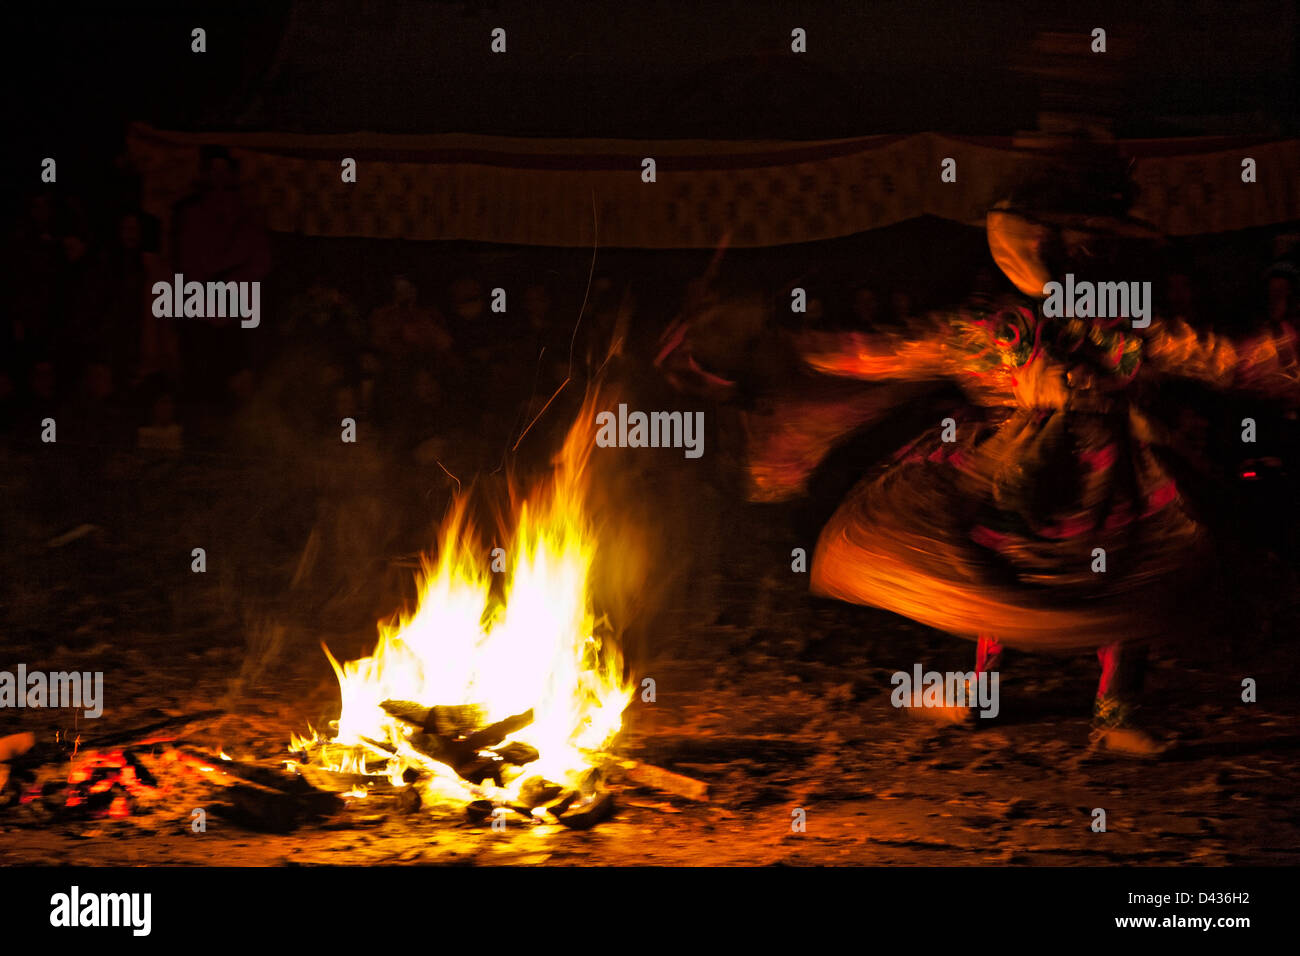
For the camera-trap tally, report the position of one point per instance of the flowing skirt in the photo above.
(1051, 530)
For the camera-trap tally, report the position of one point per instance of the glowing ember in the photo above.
(100, 783)
(530, 644)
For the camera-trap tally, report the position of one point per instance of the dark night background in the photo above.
(80, 73)
(630, 70)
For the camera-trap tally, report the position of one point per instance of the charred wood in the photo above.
(586, 815)
(493, 734)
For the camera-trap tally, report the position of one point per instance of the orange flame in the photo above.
(534, 645)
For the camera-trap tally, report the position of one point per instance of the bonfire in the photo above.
(502, 688)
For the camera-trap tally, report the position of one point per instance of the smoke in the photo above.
(336, 526)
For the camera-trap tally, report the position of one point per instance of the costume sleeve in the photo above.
(921, 354)
(1266, 363)
(788, 442)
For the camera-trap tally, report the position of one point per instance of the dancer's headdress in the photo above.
(1068, 210)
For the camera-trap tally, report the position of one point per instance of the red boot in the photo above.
(1114, 726)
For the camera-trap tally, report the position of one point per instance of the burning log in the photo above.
(538, 791)
(479, 811)
(380, 747)
(444, 721)
(453, 753)
(492, 735)
(18, 753)
(482, 768)
(251, 773)
(408, 800)
(409, 712)
(258, 797)
(339, 781)
(657, 778)
(591, 781)
(550, 548)
(151, 733)
(464, 755)
(142, 773)
(93, 783)
(455, 721)
(328, 754)
(457, 755)
(261, 798)
(517, 753)
(556, 808)
(105, 774)
(588, 814)
(270, 810)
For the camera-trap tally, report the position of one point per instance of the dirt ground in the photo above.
(777, 700)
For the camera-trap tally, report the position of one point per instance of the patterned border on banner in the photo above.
(549, 192)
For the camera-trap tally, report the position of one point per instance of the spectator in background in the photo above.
(35, 256)
(97, 407)
(866, 308)
(217, 237)
(811, 318)
(137, 343)
(901, 307)
(38, 394)
(815, 317)
(477, 338)
(49, 268)
(540, 362)
(78, 291)
(543, 348)
(403, 326)
(8, 399)
(537, 307)
(1283, 281)
(474, 332)
(324, 341)
(410, 346)
(37, 259)
(31, 260)
(161, 432)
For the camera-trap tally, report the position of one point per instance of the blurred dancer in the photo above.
(1045, 517)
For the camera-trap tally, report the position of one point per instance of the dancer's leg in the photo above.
(988, 657)
(988, 654)
(1122, 671)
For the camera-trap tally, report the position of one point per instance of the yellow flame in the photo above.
(534, 643)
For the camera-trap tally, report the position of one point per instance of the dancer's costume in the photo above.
(1046, 517)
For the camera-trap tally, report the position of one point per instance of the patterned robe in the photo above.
(1053, 473)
